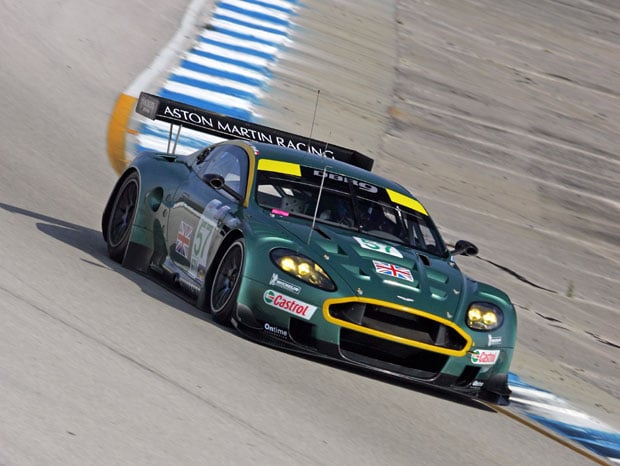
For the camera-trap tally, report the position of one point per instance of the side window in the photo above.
(423, 235)
(230, 162)
(429, 239)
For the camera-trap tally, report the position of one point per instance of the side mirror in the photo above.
(464, 248)
(217, 182)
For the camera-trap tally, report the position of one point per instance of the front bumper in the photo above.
(412, 357)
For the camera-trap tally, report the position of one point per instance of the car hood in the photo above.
(379, 269)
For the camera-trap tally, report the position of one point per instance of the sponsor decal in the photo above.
(277, 331)
(201, 273)
(242, 129)
(494, 341)
(147, 106)
(283, 213)
(187, 115)
(360, 184)
(392, 270)
(288, 304)
(184, 236)
(245, 132)
(379, 247)
(277, 281)
(484, 357)
(477, 383)
(200, 246)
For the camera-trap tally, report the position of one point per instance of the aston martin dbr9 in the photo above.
(309, 251)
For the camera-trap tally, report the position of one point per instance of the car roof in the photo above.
(306, 159)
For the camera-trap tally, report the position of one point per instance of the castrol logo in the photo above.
(288, 304)
(484, 357)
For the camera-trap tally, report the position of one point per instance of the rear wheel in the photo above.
(226, 280)
(121, 217)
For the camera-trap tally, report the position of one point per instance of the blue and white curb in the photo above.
(227, 70)
(560, 417)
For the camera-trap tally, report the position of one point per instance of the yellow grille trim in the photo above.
(394, 338)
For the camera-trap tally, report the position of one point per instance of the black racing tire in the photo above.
(122, 216)
(223, 289)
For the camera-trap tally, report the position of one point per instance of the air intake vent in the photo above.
(405, 326)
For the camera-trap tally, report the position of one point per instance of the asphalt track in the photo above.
(99, 365)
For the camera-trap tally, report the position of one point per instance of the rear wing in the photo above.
(187, 116)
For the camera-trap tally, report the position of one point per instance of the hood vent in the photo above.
(438, 294)
(356, 271)
(322, 232)
(437, 276)
(330, 247)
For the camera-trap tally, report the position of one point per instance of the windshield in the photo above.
(347, 203)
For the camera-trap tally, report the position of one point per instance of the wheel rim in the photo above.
(226, 278)
(122, 215)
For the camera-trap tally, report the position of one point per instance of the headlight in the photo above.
(302, 268)
(484, 316)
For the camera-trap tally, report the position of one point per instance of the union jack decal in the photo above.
(183, 239)
(392, 270)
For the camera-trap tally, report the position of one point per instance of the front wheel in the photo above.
(121, 217)
(224, 288)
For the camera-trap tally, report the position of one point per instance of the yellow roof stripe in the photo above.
(406, 201)
(278, 166)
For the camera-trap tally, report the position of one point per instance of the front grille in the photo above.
(404, 326)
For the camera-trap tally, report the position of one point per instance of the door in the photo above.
(200, 215)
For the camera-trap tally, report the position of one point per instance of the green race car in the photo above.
(298, 245)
